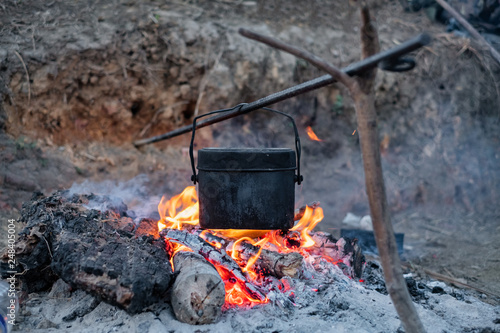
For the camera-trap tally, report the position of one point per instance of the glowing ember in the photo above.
(311, 134)
(181, 212)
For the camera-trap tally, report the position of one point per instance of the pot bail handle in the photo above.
(298, 177)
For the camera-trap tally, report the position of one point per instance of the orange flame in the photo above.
(307, 223)
(311, 134)
(182, 211)
(235, 294)
(186, 202)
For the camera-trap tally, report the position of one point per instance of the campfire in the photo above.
(252, 263)
(93, 244)
(91, 248)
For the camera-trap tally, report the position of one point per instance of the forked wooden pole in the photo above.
(361, 90)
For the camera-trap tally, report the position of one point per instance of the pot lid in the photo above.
(243, 159)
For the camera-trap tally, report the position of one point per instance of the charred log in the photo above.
(90, 250)
(344, 250)
(273, 263)
(129, 273)
(269, 262)
(198, 292)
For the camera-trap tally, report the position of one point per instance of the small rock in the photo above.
(191, 31)
(166, 114)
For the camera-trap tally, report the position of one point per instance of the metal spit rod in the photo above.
(356, 68)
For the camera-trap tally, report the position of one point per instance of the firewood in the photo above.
(273, 263)
(215, 256)
(277, 264)
(269, 262)
(128, 273)
(198, 292)
(90, 250)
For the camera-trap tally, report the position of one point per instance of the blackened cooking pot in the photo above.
(246, 188)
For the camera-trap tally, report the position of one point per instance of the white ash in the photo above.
(328, 301)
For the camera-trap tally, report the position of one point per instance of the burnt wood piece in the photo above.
(198, 292)
(213, 255)
(277, 264)
(345, 250)
(273, 263)
(128, 273)
(90, 250)
(269, 262)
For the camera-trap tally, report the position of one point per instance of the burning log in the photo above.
(198, 292)
(270, 262)
(274, 263)
(216, 257)
(277, 264)
(344, 250)
(90, 250)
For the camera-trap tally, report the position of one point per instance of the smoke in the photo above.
(134, 193)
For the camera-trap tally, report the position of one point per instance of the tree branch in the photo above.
(494, 53)
(375, 187)
(336, 73)
(369, 47)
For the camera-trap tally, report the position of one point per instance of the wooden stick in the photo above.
(198, 292)
(366, 115)
(362, 94)
(494, 53)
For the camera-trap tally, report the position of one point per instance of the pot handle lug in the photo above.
(298, 177)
